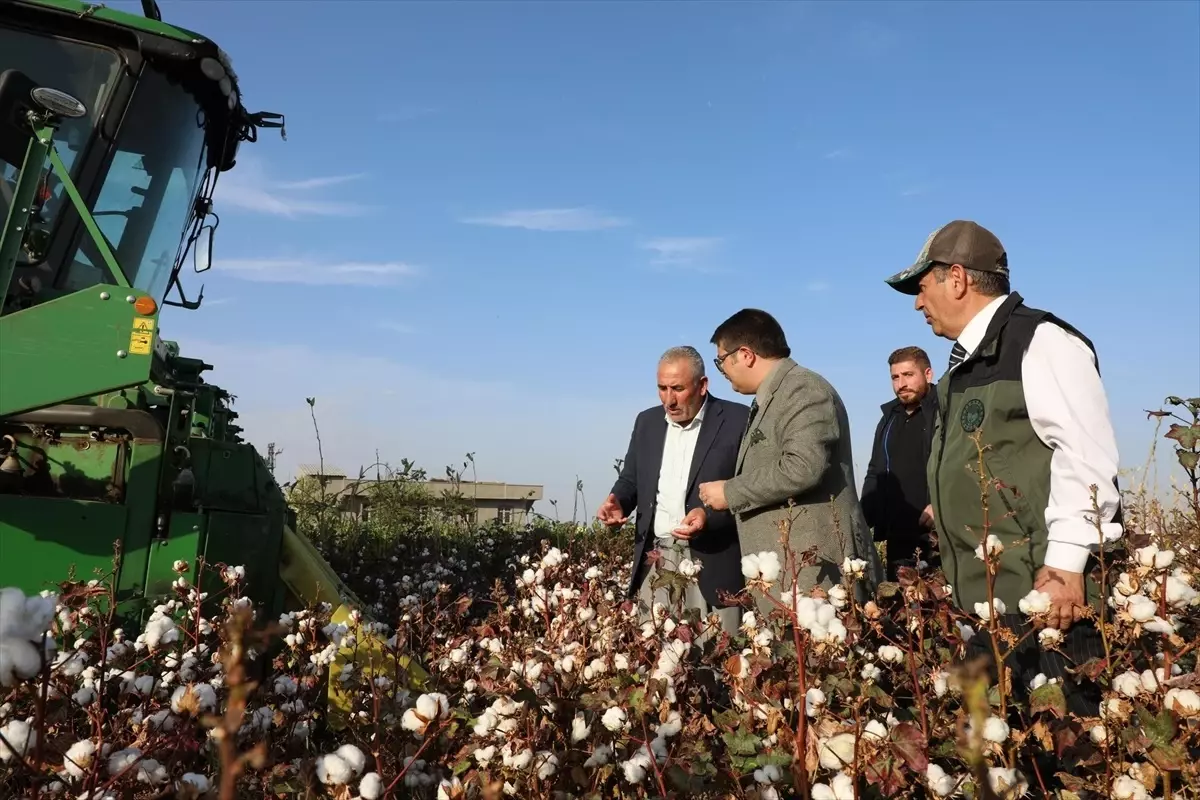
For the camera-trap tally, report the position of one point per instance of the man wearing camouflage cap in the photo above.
(1027, 384)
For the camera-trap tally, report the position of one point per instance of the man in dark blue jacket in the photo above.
(895, 496)
(689, 439)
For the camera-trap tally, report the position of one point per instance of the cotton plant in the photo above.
(546, 680)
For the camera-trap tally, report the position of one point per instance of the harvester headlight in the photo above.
(226, 85)
(212, 69)
(233, 100)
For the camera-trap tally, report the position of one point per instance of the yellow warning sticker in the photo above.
(139, 343)
(141, 339)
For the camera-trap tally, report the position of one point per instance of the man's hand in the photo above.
(927, 517)
(610, 512)
(692, 524)
(712, 494)
(1067, 601)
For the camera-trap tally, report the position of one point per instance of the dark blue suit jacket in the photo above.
(715, 459)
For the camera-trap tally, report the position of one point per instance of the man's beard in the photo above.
(913, 399)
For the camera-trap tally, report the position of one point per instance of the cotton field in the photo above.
(537, 678)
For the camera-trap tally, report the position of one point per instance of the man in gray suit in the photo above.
(796, 447)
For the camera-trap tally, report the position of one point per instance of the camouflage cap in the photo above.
(958, 242)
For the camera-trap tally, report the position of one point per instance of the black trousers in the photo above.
(1081, 643)
(902, 552)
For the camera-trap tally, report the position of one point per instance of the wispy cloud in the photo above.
(394, 327)
(682, 250)
(407, 113)
(841, 152)
(321, 183)
(250, 189)
(818, 286)
(318, 273)
(550, 219)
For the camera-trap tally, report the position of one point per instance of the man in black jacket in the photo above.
(691, 438)
(895, 496)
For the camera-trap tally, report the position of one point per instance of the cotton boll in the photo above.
(769, 566)
(353, 757)
(940, 784)
(614, 719)
(19, 659)
(119, 761)
(995, 730)
(332, 770)
(78, 758)
(1128, 683)
(1184, 702)
(19, 740)
(836, 751)
(580, 730)
(151, 772)
(1034, 603)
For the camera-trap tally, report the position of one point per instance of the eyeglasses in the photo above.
(720, 360)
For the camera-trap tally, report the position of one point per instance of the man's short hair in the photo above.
(988, 284)
(754, 329)
(914, 354)
(686, 353)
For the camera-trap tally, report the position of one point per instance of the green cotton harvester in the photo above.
(114, 129)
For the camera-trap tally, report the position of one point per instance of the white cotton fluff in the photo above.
(19, 740)
(23, 623)
(614, 719)
(761, 566)
(352, 756)
(78, 758)
(119, 761)
(200, 783)
(202, 694)
(371, 786)
(332, 770)
(580, 730)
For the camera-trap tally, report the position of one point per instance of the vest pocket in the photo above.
(1023, 522)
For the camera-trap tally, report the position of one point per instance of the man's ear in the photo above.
(960, 281)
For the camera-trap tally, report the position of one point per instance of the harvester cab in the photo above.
(114, 129)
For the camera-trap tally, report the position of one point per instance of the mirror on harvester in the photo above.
(202, 249)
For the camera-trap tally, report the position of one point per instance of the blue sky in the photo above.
(489, 219)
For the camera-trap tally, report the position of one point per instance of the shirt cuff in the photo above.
(1066, 556)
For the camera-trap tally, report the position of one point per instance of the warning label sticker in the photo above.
(141, 339)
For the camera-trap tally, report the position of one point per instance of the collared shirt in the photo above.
(670, 503)
(1068, 410)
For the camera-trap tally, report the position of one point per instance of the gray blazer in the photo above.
(797, 446)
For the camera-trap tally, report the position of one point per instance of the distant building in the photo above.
(493, 500)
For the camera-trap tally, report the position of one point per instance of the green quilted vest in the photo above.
(984, 396)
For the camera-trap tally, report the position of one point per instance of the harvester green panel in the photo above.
(183, 541)
(81, 344)
(249, 541)
(229, 476)
(42, 536)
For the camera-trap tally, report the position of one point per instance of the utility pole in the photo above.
(272, 454)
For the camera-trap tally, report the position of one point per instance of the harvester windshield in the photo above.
(147, 197)
(147, 190)
(83, 71)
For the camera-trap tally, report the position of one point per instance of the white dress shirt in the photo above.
(671, 499)
(1068, 410)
